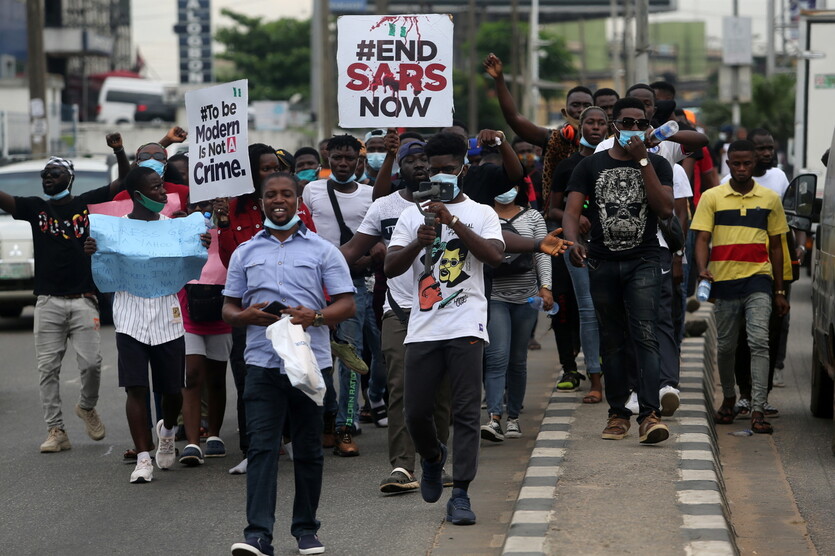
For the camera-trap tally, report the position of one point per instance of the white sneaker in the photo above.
(143, 472)
(669, 400)
(166, 453)
(632, 404)
(513, 429)
(779, 381)
(239, 469)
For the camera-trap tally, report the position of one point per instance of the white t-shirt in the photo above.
(352, 205)
(454, 304)
(774, 179)
(380, 221)
(668, 149)
(681, 190)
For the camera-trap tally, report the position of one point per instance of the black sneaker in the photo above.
(310, 544)
(399, 481)
(570, 381)
(458, 510)
(431, 481)
(492, 431)
(380, 416)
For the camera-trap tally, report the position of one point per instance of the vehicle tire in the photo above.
(10, 312)
(822, 389)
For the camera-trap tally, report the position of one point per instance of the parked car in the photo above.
(119, 98)
(155, 111)
(17, 258)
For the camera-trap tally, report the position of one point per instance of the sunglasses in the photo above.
(53, 173)
(147, 156)
(629, 123)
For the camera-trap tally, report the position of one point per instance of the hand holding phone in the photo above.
(275, 308)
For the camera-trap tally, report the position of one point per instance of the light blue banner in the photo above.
(147, 259)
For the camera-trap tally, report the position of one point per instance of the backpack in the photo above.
(514, 263)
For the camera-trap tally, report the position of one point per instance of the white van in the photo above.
(120, 96)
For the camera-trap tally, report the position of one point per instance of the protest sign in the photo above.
(218, 143)
(125, 206)
(147, 259)
(395, 71)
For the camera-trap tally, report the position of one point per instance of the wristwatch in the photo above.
(643, 162)
(318, 319)
(780, 292)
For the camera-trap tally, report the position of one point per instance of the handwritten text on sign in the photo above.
(395, 71)
(147, 259)
(218, 156)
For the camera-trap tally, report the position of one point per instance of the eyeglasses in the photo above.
(629, 123)
(148, 156)
(53, 173)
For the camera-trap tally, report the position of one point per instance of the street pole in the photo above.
(472, 79)
(641, 41)
(628, 44)
(616, 61)
(316, 84)
(769, 43)
(321, 78)
(532, 93)
(736, 115)
(515, 58)
(36, 71)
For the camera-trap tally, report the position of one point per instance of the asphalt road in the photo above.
(804, 442)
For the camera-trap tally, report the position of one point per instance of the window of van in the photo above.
(132, 97)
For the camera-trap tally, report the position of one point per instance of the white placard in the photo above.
(395, 71)
(218, 143)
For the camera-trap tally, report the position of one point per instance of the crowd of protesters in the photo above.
(418, 263)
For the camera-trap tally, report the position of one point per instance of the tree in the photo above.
(771, 107)
(273, 55)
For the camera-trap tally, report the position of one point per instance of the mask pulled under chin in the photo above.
(150, 204)
(283, 227)
(350, 179)
(57, 196)
(570, 119)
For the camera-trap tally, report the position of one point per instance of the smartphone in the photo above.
(275, 308)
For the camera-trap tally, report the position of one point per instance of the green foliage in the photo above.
(771, 107)
(273, 55)
(489, 112)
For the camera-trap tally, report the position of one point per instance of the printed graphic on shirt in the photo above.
(452, 269)
(622, 207)
(76, 227)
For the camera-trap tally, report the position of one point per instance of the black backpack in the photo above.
(514, 263)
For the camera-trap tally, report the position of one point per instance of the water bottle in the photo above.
(665, 131)
(210, 223)
(539, 304)
(703, 291)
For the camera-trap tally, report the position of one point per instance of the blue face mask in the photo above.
(507, 197)
(375, 160)
(586, 143)
(284, 227)
(451, 179)
(363, 177)
(154, 165)
(58, 196)
(350, 179)
(624, 135)
(308, 175)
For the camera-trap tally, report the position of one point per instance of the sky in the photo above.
(154, 37)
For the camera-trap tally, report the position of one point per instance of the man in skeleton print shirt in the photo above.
(628, 189)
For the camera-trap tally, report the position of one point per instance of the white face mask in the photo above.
(507, 197)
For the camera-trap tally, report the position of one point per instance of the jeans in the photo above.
(506, 357)
(58, 319)
(359, 329)
(754, 310)
(625, 295)
(400, 445)
(270, 400)
(589, 331)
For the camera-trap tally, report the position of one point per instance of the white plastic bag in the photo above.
(292, 344)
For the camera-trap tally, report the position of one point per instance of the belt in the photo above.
(77, 296)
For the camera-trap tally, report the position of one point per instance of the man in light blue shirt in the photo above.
(289, 264)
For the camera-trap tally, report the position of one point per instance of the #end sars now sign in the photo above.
(395, 70)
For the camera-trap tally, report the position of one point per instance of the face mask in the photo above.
(154, 165)
(624, 135)
(451, 179)
(283, 227)
(308, 175)
(586, 143)
(375, 160)
(363, 177)
(153, 206)
(57, 196)
(507, 197)
(350, 179)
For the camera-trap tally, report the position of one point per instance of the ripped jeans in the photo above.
(625, 296)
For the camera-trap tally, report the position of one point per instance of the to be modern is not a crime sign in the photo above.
(395, 70)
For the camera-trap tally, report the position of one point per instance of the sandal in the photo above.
(759, 425)
(726, 413)
(594, 396)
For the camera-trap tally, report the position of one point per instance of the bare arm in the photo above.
(175, 135)
(7, 203)
(520, 125)
(659, 197)
(234, 314)
(510, 162)
(775, 253)
(702, 254)
(357, 247)
(571, 227)
(399, 258)
(382, 185)
(114, 141)
(691, 140)
(341, 308)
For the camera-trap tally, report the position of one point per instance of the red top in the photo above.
(245, 224)
(705, 164)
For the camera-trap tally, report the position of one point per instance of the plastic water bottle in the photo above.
(210, 223)
(665, 131)
(703, 291)
(539, 304)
